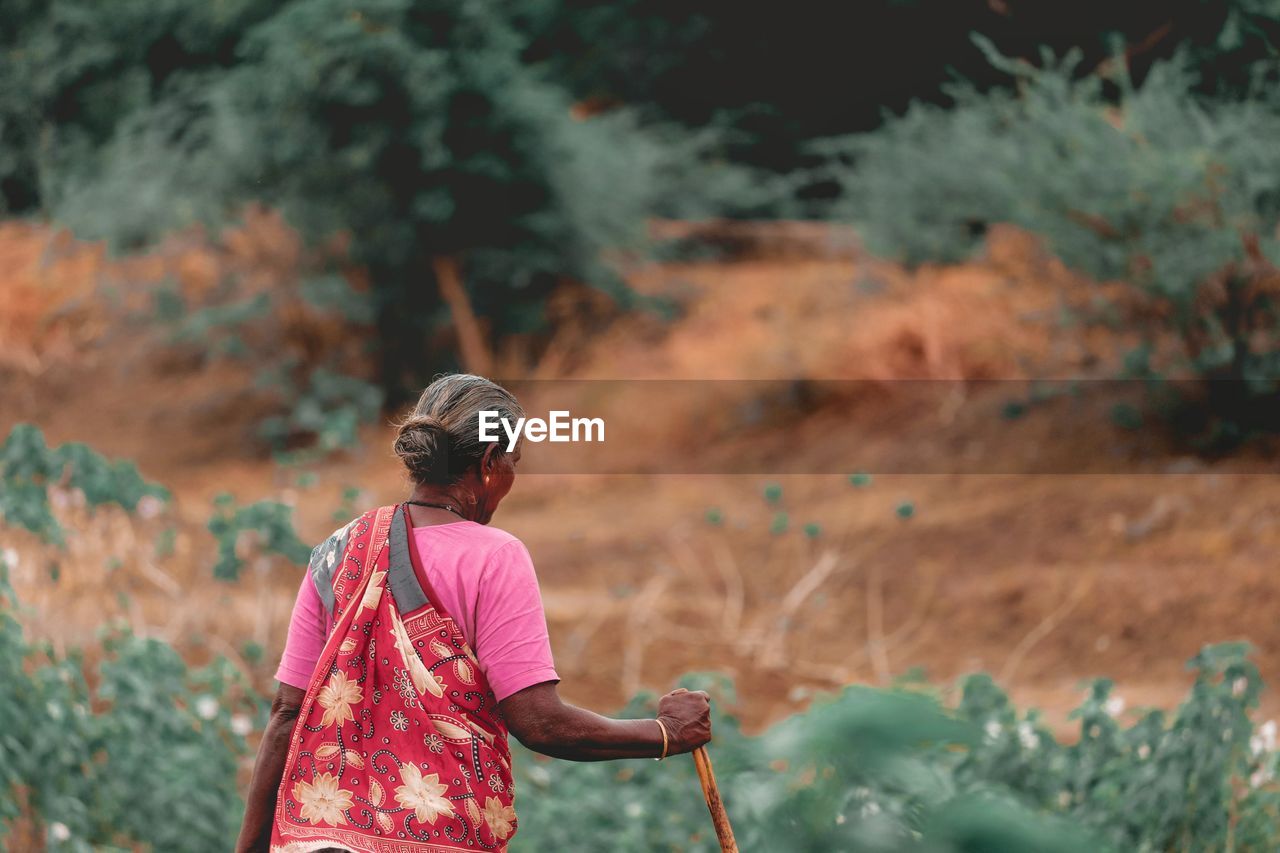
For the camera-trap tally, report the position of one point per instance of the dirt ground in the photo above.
(1122, 563)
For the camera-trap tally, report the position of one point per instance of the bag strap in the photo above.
(402, 580)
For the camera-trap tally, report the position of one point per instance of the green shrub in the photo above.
(892, 770)
(329, 410)
(147, 755)
(1171, 192)
(1189, 782)
(863, 770)
(268, 523)
(866, 769)
(769, 76)
(29, 467)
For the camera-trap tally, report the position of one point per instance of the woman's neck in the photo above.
(458, 502)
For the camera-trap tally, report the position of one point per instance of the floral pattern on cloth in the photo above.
(399, 746)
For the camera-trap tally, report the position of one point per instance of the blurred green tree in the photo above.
(777, 80)
(459, 175)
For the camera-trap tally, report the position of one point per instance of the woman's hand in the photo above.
(687, 717)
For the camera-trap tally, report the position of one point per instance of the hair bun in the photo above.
(422, 443)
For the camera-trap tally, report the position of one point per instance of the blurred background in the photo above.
(1008, 268)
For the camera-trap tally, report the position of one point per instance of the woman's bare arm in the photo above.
(543, 722)
(268, 769)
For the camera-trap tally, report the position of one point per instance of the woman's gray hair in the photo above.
(440, 439)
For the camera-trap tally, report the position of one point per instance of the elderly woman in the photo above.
(417, 642)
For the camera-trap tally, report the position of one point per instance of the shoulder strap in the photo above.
(402, 580)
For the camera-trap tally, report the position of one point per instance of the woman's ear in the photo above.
(488, 460)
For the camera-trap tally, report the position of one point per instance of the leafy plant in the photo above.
(1194, 782)
(146, 755)
(855, 772)
(264, 526)
(892, 770)
(29, 468)
(329, 410)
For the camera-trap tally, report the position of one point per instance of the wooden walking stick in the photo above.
(724, 832)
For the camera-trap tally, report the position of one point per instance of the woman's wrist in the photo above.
(666, 739)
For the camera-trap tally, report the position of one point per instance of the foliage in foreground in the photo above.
(868, 769)
(127, 746)
(891, 770)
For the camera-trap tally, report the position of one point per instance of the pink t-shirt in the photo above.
(484, 579)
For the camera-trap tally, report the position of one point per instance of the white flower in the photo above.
(1267, 732)
(1144, 751)
(60, 831)
(870, 809)
(1260, 777)
(11, 558)
(241, 724)
(1265, 740)
(206, 707)
(993, 729)
(634, 809)
(399, 721)
(1239, 686)
(1114, 706)
(1027, 736)
(149, 506)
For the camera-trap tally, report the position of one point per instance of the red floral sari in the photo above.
(399, 746)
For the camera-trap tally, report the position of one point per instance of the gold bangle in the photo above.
(664, 740)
